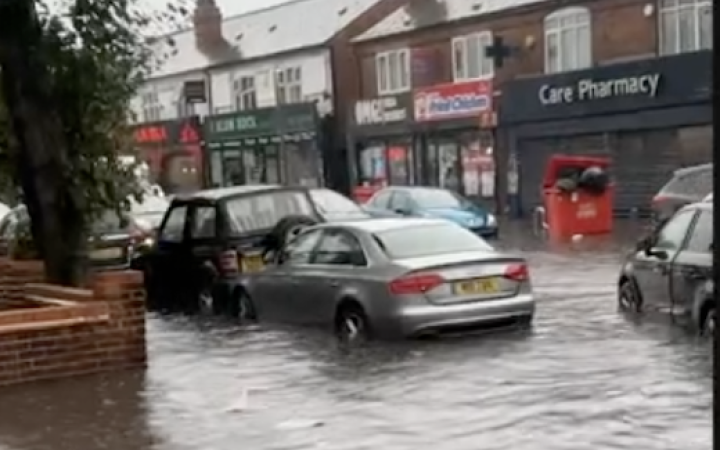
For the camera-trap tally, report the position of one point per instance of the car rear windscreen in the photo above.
(262, 211)
(695, 184)
(428, 240)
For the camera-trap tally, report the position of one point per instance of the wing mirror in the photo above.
(657, 253)
(645, 243)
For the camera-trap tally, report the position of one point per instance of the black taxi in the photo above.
(208, 239)
(671, 270)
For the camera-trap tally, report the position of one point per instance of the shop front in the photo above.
(649, 117)
(457, 138)
(172, 150)
(267, 145)
(383, 135)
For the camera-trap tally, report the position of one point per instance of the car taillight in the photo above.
(517, 272)
(415, 284)
(658, 199)
(229, 262)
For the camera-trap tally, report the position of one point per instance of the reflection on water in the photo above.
(584, 378)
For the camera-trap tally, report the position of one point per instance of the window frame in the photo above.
(461, 43)
(282, 256)
(554, 28)
(244, 89)
(151, 106)
(289, 85)
(692, 232)
(384, 71)
(327, 232)
(675, 8)
(166, 219)
(681, 244)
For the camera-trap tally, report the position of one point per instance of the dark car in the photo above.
(115, 240)
(209, 238)
(687, 185)
(433, 202)
(670, 271)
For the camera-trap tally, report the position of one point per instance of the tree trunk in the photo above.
(42, 160)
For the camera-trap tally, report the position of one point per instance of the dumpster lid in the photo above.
(558, 162)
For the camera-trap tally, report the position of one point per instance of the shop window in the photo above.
(568, 40)
(469, 60)
(245, 93)
(685, 26)
(393, 71)
(303, 164)
(386, 164)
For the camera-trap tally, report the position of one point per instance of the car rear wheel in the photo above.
(629, 297)
(289, 227)
(352, 325)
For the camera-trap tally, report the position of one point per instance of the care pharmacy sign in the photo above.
(589, 89)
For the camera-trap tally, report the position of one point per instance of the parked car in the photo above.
(386, 278)
(687, 185)
(208, 238)
(115, 241)
(411, 201)
(671, 270)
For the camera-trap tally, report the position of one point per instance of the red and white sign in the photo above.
(453, 100)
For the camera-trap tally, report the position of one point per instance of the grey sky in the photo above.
(232, 7)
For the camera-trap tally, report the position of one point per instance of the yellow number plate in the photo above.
(480, 286)
(252, 263)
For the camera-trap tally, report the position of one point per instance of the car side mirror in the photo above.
(645, 243)
(657, 253)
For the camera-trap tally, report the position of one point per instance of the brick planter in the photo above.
(69, 332)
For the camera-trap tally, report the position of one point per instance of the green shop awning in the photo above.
(286, 123)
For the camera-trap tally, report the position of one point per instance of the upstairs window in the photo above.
(469, 60)
(393, 71)
(685, 26)
(568, 40)
(244, 92)
(288, 84)
(151, 107)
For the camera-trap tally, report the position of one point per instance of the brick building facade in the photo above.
(546, 44)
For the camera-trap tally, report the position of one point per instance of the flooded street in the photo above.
(584, 378)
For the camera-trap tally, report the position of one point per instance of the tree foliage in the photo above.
(62, 128)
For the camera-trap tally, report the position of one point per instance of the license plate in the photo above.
(106, 253)
(252, 263)
(479, 286)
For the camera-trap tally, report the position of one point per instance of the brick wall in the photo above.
(73, 332)
(14, 275)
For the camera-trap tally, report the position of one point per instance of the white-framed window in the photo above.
(288, 85)
(151, 107)
(469, 60)
(685, 26)
(568, 40)
(393, 71)
(244, 93)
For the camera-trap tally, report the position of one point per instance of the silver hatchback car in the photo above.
(394, 277)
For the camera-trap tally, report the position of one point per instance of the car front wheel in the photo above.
(352, 325)
(629, 297)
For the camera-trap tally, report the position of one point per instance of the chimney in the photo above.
(207, 21)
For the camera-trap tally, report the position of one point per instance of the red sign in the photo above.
(151, 134)
(453, 100)
(189, 134)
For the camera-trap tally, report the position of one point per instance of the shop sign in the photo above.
(381, 110)
(589, 89)
(453, 101)
(168, 132)
(263, 122)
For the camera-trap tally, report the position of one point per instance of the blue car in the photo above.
(418, 201)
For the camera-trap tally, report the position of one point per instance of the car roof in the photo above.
(380, 225)
(234, 191)
(692, 169)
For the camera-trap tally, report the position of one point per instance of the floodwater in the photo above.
(584, 378)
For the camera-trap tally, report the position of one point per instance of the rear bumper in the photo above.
(415, 320)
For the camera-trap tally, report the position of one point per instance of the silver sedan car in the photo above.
(391, 277)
